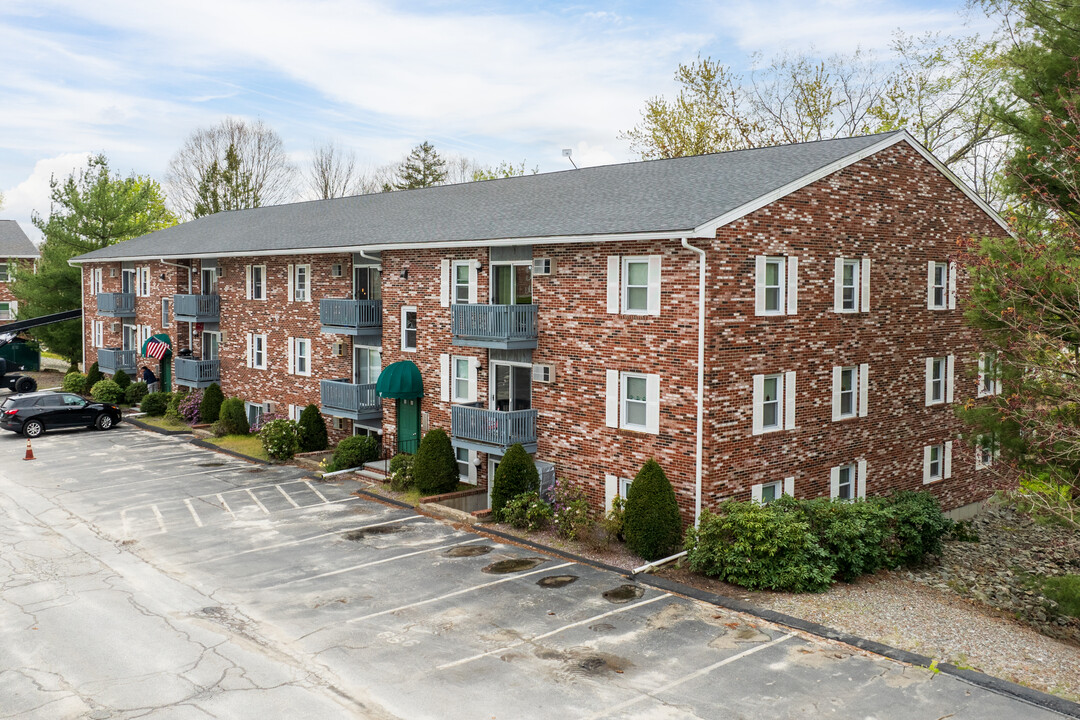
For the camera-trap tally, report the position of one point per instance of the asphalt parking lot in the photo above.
(145, 577)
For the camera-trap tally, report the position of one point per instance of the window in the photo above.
(633, 401)
(211, 342)
(848, 380)
(300, 356)
(130, 338)
(776, 285)
(989, 382)
(542, 266)
(845, 486)
(257, 352)
(145, 331)
(850, 391)
(463, 380)
(852, 289)
(367, 282)
(848, 482)
(457, 283)
(165, 312)
(986, 451)
(466, 463)
(939, 380)
(96, 282)
(254, 412)
(300, 283)
(765, 493)
(367, 364)
(462, 285)
(511, 283)
(209, 280)
(633, 285)
(4, 273)
(937, 462)
(142, 287)
(408, 329)
(99, 333)
(774, 403)
(256, 282)
(941, 285)
(613, 486)
(7, 310)
(770, 491)
(127, 280)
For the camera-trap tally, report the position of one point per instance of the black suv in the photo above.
(32, 413)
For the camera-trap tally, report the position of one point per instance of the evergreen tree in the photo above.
(210, 405)
(93, 376)
(422, 168)
(225, 187)
(435, 467)
(91, 209)
(515, 476)
(312, 430)
(651, 522)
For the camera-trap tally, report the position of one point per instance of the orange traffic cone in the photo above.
(29, 451)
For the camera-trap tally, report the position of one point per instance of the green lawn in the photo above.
(1064, 590)
(249, 445)
(165, 423)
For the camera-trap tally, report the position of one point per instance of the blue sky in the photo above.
(491, 80)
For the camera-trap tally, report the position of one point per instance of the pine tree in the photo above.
(651, 522)
(435, 467)
(312, 430)
(515, 476)
(422, 168)
(210, 405)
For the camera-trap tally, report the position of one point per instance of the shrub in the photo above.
(852, 533)
(760, 547)
(515, 476)
(173, 409)
(435, 468)
(264, 418)
(189, 406)
(93, 376)
(155, 403)
(233, 417)
(527, 511)
(121, 378)
(571, 511)
(134, 393)
(652, 523)
(401, 472)
(313, 430)
(918, 527)
(106, 391)
(74, 382)
(210, 407)
(353, 452)
(612, 522)
(280, 439)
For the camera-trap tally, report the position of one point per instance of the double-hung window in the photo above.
(142, 282)
(848, 482)
(633, 285)
(462, 283)
(7, 310)
(458, 283)
(851, 292)
(165, 302)
(408, 328)
(256, 282)
(299, 283)
(776, 285)
(774, 403)
(463, 390)
(989, 380)
(96, 281)
(940, 285)
(939, 380)
(986, 451)
(5, 276)
(850, 391)
(300, 356)
(257, 351)
(466, 463)
(845, 482)
(766, 492)
(937, 462)
(633, 401)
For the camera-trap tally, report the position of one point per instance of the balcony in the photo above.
(492, 431)
(505, 327)
(116, 304)
(110, 360)
(351, 317)
(197, 308)
(341, 398)
(196, 373)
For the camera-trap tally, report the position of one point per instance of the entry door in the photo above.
(512, 389)
(127, 281)
(210, 342)
(131, 338)
(511, 284)
(367, 364)
(408, 415)
(209, 281)
(367, 283)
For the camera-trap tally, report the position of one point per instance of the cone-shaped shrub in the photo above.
(515, 475)
(121, 378)
(651, 522)
(233, 417)
(210, 407)
(435, 468)
(313, 430)
(93, 376)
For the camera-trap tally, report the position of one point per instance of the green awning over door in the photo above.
(400, 380)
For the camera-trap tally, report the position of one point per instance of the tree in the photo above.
(502, 170)
(515, 476)
(333, 173)
(202, 173)
(312, 430)
(421, 168)
(91, 209)
(651, 520)
(435, 467)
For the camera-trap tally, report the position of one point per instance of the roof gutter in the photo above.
(698, 464)
(163, 261)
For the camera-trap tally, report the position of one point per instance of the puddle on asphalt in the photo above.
(624, 593)
(602, 627)
(254, 469)
(585, 662)
(363, 533)
(468, 551)
(211, 464)
(504, 567)
(213, 611)
(556, 581)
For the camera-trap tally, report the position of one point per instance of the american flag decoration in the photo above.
(156, 349)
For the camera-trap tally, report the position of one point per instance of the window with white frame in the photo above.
(937, 462)
(849, 285)
(633, 285)
(986, 451)
(142, 282)
(5, 274)
(989, 380)
(774, 403)
(850, 391)
(614, 485)
(99, 333)
(145, 331)
(254, 412)
(940, 285)
(96, 282)
(939, 380)
(776, 285)
(462, 282)
(849, 381)
(852, 285)
(257, 351)
(466, 462)
(8, 310)
(300, 356)
(408, 328)
(165, 302)
(463, 388)
(771, 491)
(765, 493)
(633, 401)
(256, 282)
(848, 481)
(300, 283)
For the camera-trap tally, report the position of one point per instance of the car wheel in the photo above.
(33, 428)
(25, 385)
(104, 421)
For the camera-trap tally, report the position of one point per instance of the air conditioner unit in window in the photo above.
(116, 327)
(270, 406)
(112, 272)
(339, 349)
(543, 266)
(543, 373)
(335, 270)
(339, 424)
(221, 271)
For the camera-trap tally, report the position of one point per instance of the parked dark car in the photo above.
(33, 413)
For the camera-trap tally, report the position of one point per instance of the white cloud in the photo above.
(32, 194)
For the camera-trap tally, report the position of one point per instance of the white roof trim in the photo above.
(20, 257)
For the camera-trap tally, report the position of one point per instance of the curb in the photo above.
(151, 428)
(217, 448)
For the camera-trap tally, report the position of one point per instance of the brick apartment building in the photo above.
(15, 248)
(564, 311)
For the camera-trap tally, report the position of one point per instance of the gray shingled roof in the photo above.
(653, 196)
(14, 243)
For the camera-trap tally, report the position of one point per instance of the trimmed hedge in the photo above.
(651, 521)
(313, 430)
(106, 391)
(233, 417)
(210, 406)
(155, 403)
(121, 378)
(435, 468)
(134, 393)
(516, 475)
(74, 382)
(353, 452)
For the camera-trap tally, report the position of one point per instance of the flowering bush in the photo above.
(262, 421)
(527, 512)
(280, 438)
(189, 406)
(571, 510)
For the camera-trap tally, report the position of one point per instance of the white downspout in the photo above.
(365, 255)
(182, 267)
(698, 466)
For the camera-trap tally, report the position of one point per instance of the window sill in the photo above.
(932, 481)
(633, 432)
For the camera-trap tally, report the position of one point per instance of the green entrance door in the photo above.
(408, 418)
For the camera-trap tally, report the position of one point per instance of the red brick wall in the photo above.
(5, 289)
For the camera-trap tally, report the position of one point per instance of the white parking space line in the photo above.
(556, 631)
(312, 488)
(516, 576)
(225, 505)
(160, 519)
(287, 497)
(123, 466)
(650, 694)
(194, 515)
(170, 478)
(261, 506)
(340, 571)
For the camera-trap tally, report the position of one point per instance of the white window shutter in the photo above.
(759, 285)
(654, 285)
(472, 379)
(792, 285)
(611, 489)
(838, 285)
(611, 415)
(759, 396)
(755, 493)
(291, 272)
(474, 265)
(837, 374)
(947, 471)
(926, 465)
(834, 482)
(14, 305)
(861, 481)
(445, 377)
(997, 382)
(292, 355)
(613, 284)
(952, 285)
(789, 486)
(789, 400)
(982, 374)
(864, 389)
(949, 360)
(978, 452)
(652, 403)
(929, 380)
(250, 357)
(864, 298)
(444, 283)
(930, 284)
(247, 281)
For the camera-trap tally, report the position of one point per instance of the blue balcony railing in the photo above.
(479, 429)
(110, 360)
(340, 398)
(116, 304)
(508, 327)
(351, 317)
(197, 308)
(196, 373)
